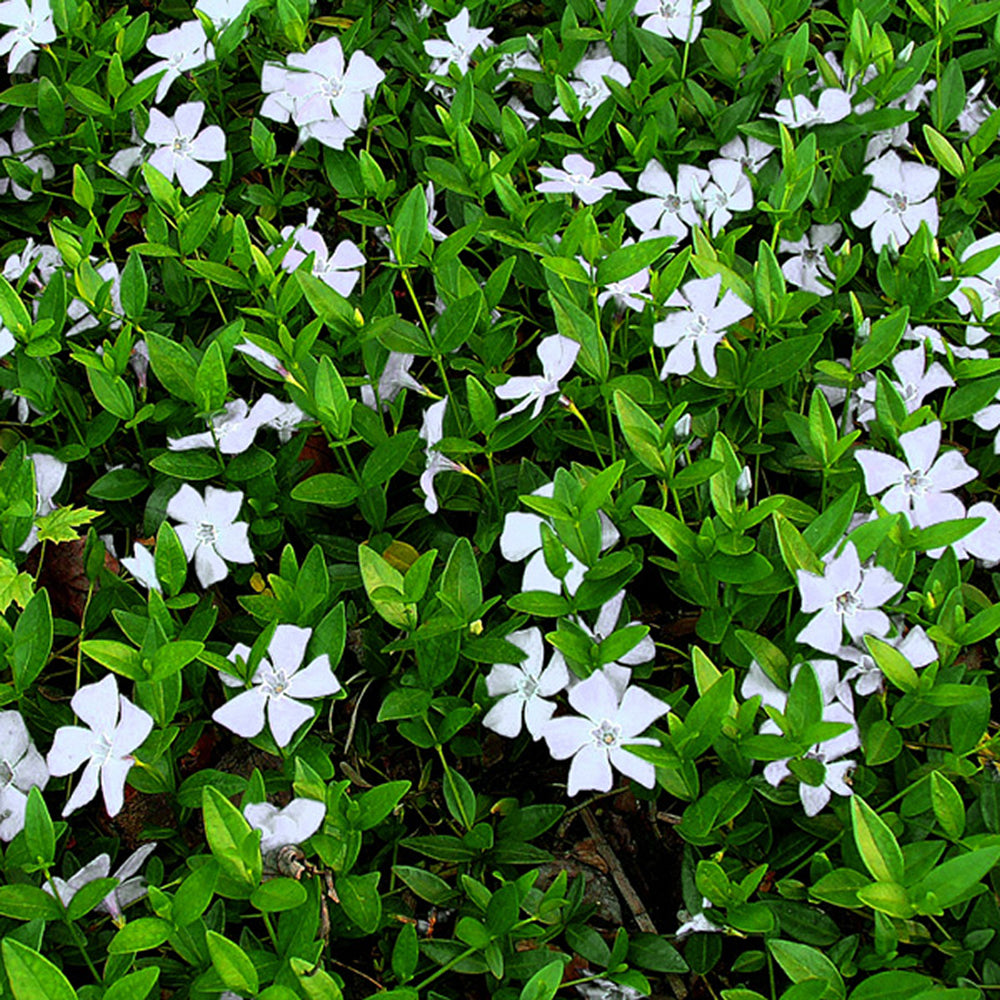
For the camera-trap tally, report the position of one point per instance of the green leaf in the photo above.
(461, 586)
(232, 963)
(949, 809)
(12, 310)
(386, 460)
(674, 533)
(39, 831)
(329, 489)
(169, 559)
(210, 380)
(876, 844)
(893, 664)
(25, 902)
(32, 641)
(944, 152)
(755, 18)
(278, 894)
(83, 190)
(410, 227)
(802, 962)
(61, 524)
(135, 986)
(883, 341)
(15, 588)
(140, 935)
(626, 261)
(33, 977)
(360, 900)
(172, 365)
(544, 983)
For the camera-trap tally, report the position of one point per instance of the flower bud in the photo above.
(744, 483)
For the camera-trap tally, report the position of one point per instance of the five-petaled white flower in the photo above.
(279, 682)
(114, 728)
(294, 824)
(672, 208)
(866, 675)
(131, 885)
(601, 734)
(181, 148)
(336, 269)
(901, 197)
(524, 688)
(587, 82)
(221, 13)
(463, 40)
(680, 19)
(699, 325)
(31, 27)
(844, 596)
(751, 154)
(808, 263)
(918, 487)
(800, 112)
(916, 380)
(577, 177)
(728, 191)
(233, 430)
(209, 532)
(557, 355)
(984, 286)
(22, 768)
(180, 50)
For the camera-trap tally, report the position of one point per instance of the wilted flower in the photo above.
(294, 824)
(114, 729)
(278, 683)
(524, 688)
(394, 378)
(432, 431)
(209, 532)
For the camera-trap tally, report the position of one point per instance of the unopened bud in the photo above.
(682, 429)
(744, 483)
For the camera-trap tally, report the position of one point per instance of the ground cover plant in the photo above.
(499, 500)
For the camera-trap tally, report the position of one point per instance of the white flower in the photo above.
(432, 431)
(209, 532)
(49, 475)
(696, 923)
(918, 487)
(981, 543)
(286, 421)
(22, 145)
(294, 824)
(22, 768)
(221, 13)
(142, 566)
(844, 597)
(729, 191)
(181, 148)
(699, 325)
(267, 359)
(751, 154)
(131, 886)
(462, 43)
(557, 355)
(588, 83)
(180, 50)
(799, 112)
(916, 381)
(607, 623)
(628, 293)
(977, 109)
(336, 269)
(899, 200)
(672, 209)
(233, 430)
(522, 689)
(915, 646)
(578, 178)
(521, 538)
(394, 378)
(114, 729)
(81, 311)
(278, 682)
(601, 734)
(985, 286)
(928, 335)
(31, 27)
(835, 771)
(680, 19)
(44, 258)
(808, 264)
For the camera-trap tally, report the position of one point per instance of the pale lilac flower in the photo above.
(916, 381)
(928, 335)
(181, 148)
(267, 359)
(901, 197)
(982, 543)
(43, 258)
(984, 286)
(432, 431)
(577, 177)
(323, 89)
(463, 41)
(557, 355)
(751, 154)
(131, 885)
(31, 27)
(286, 421)
(814, 798)
(294, 824)
(729, 191)
(113, 729)
(628, 293)
(844, 596)
(696, 923)
(142, 566)
(827, 674)
(808, 264)
(672, 209)
(799, 112)
(587, 82)
(524, 688)
(22, 768)
(209, 532)
(919, 487)
(607, 623)
(529, 118)
(892, 138)
(600, 735)
(183, 49)
(233, 430)
(977, 109)
(394, 378)
(866, 675)
(22, 145)
(699, 324)
(278, 683)
(49, 475)
(129, 157)
(521, 538)
(221, 13)
(336, 270)
(680, 19)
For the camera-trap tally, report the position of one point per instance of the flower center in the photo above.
(527, 688)
(898, 203)
(909, 392)
(181, 146)
(100, 750)
(578, 180)
(672, 203)
(207, 533)
(915, 483)
(27, 29)
(810, 255)
(606, 735)
(276, 683)
(846, 603)
(668, 8)
(700, 325)
(333, 89)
